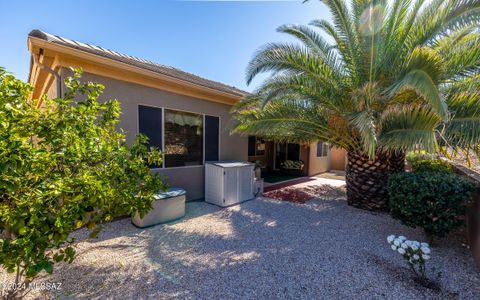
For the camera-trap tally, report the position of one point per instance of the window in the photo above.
(322, 149)
(186, 139)
(183, 139)
(256, 146)
(259, 146)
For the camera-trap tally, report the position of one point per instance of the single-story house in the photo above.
(181, 113)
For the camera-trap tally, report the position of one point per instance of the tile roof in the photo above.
(138, 62)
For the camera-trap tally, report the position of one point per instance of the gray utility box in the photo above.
(168, 206)
(228, 182)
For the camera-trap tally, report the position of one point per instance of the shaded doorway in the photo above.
(285, 151)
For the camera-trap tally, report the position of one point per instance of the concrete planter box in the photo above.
(168, 206)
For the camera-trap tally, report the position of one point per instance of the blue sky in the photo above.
(213, 39)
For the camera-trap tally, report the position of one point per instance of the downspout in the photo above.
(36, 60)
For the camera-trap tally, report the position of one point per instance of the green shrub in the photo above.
(433, 201)
(413, 156)
(432, 165)
(63, 167)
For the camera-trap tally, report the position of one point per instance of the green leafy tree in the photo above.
(63, 166)
(384, 78)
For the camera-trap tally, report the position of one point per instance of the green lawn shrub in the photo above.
(434, 201)
(431, 165)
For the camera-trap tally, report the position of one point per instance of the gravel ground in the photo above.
(261, 249)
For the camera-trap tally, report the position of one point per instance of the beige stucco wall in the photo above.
(52, 90)
(338, 159)
(130, 95)
(305, 157)
(317, 164)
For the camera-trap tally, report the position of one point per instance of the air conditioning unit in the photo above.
(228, 182)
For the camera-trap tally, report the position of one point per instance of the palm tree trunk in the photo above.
(367, 179)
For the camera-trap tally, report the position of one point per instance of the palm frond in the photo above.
(441, 17)
(461, 54)
(346, 31)
(322, 94)
(316, 43)
(289, 120)
(443, 44)
(463, 129)
(466, 84)
(422, 83)
(422, 72)
(342, 20)
(281, 57)
(340, 44)
(409, 128)
(392, 45)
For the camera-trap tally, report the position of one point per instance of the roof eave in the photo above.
(34, 42)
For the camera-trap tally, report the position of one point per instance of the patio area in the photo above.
(261, 249)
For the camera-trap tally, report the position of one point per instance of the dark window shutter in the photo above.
(251, 145)
(212, 126)
(150, 124)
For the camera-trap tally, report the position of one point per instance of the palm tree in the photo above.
(386, 77)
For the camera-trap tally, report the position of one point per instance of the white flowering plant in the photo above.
(415, 253)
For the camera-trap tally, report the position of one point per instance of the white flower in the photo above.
(414, 252)
(425, 250)
(390, 238)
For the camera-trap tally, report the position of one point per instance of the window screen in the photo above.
(183, 139)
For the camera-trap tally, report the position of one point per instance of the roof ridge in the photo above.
(138, 62)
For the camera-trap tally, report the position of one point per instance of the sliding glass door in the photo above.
(285, 151)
